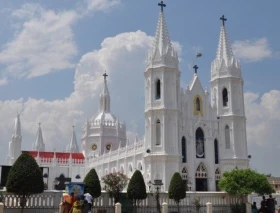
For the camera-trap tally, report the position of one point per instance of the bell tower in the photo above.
(162, 83)
(228, 99)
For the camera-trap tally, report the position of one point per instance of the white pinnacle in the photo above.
(224, 51)
(17, 129)
(73, 146)
(39, 142)
(162, 52)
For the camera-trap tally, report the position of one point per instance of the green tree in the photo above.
(25, 178)
(136, 189)
(92, 184)
(177, 189)
(242, 182)
(114, 184)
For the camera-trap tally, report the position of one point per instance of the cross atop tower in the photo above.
(195, 68)
(223, 19)
(105, 75)
(162, 5)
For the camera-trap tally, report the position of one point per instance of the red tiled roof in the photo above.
(58, 155)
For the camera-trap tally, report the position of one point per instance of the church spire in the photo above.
(224, 51)
(104, 105)
(162, 53)
(17, 129)
(73, 146)
(39, 142)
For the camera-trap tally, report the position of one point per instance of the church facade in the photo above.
(184, 131)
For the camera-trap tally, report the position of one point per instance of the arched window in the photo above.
(197, 104)
(158, 89)
(216, 151)
(199, 136)
(227, 137)
(158, 132)
(122, 169)
(130, 168)
(225, 97)
(184, 150)
(201, 181)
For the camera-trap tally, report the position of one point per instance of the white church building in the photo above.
(187, 130)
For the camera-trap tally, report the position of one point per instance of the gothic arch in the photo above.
(216, 151)
(158, 132)
(140, 167)
(217, 178)
(199, 137)
(227, 137)
(225, 97)
(197, 105)
(158, 89)
(201, 181)
(201, 171)
(184, 150)
(122, 169)
(184, 173)
(114, 170)
(130, 168)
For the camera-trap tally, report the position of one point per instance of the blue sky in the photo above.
(42, 42)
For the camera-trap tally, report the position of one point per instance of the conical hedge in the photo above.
(92, 184)
(177, 188)
(25, 177)
(136, 189)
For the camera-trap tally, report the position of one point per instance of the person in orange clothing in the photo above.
(73, 200)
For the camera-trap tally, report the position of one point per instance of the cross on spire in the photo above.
(223, 19)
(162, 5)
(195, 68)
(105, 75)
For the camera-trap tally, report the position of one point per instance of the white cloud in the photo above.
(3, 81)
(263, 121)
(252, 50)
(43, 43)
(123, 57)
(43, 40)
(100, 5)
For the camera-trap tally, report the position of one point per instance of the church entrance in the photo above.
(201, 181)
(201, 184)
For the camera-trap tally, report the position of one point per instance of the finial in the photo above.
(162, 5)
(39, 124)
(105, 75)
(223, 19)
(195, 68)
(73, 126)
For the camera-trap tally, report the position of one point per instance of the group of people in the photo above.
(77, 204)
(267, 206)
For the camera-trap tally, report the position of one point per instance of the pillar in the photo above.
(164, 208)
(209, 207)
(118, 208)
(248, 207)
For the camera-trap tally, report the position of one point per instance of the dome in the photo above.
(107, 117)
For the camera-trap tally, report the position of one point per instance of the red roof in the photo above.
(58, 155)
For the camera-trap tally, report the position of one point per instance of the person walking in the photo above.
(270, 205)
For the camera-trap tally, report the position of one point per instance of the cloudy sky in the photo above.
(53, 54)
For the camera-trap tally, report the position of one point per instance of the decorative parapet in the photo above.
(60, 162)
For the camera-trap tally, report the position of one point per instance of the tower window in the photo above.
(216, 150)
(227, 137)
(225, 97)
(197, 103)
(184, 150)
(158, 89)
(158, 133)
